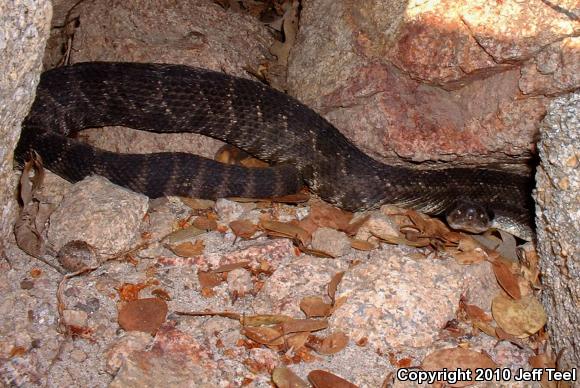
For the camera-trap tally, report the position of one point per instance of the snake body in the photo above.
(270, 125)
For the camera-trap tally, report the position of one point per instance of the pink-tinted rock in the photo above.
(513, 30)
(434, 80)
(304, 276)
(554, 70)
(399, 304)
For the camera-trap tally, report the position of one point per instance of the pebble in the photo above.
(331, 241)
(240, 282)
(75, 317)
(228, 211)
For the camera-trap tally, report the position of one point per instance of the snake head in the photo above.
(470, 217)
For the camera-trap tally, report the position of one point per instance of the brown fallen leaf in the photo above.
(225, 314)
(333, 285)
(334, 343)
(544, 361)
(292, 198)
(314, 306)
(323, 379)
(231, 267)
(479, 318)
(281, 229)
(290, 27)
(362, 245)
(209, 279)
(161, 294)
(188, 249)
(520, 318)
(325, 215)
(354, 226)
(182, 234)
(297, 325)
(455, 358)
(505, 278)
(197, 203)
(283, 377)
(243, 228)
(297, 341)
(205, 223)
(269, 336)
(33, 217)
(264, 319)
(145, 315)
(475, 312)
(530, 264)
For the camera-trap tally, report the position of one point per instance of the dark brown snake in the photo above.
(272, 126)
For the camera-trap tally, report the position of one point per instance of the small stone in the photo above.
(378, 225)
(240, 282)
(77, 255)
(26, 284)
(75, 318)
(228, 211)
(99, 212)
(130, 342)
(331, 241)
(78, 355)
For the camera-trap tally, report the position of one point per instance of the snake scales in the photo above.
(268, 124)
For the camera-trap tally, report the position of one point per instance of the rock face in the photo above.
(195, 33)
(435, 80)
(24, 27)
(558, 223)
(100, 213)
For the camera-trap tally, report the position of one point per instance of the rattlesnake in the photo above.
(270, 125)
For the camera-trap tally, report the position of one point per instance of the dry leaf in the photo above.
(456, 358)
(161, 294)
(197, 204)
(334, 343)
(231, 266)
(243, 228)
(264, 319)
(282, 229)
(205, 223)
(290, 28)
(333, 285)
(353, 227)
(224, 314)
(475, 313)
(544, 361)
(209, 279)
(264, 335)
(297, 325)
(314, 306)
(182, 234)
(506, 279)
(520, 318)
(188, 249)
(470, 257)
(292, 198)
(285, 378)
(297, 341)
(362, 245)
(145, 315)
(323, 379)
(31, 221)
(325, 215)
